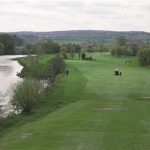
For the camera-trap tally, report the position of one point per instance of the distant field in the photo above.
(108, 113)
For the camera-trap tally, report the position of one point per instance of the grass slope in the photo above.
(112, 113)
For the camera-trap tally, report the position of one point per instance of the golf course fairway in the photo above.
(106, 112)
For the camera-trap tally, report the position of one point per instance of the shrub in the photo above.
(83, 56)
(144, 56)
(135, 49)
(2, 100)
(56, 66)
(26, 94)
(39, 71)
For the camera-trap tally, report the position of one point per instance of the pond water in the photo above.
(8, 77)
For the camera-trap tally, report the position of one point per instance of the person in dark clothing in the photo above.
(120, 73)
(67, 71)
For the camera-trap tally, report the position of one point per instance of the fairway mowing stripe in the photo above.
(148, 98)
(109, 108)
(25, 135)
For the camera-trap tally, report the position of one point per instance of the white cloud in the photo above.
(47, 15)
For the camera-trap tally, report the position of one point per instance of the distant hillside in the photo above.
(83, 35)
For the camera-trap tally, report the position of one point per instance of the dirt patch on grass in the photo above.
(25, 135)
(108, 108)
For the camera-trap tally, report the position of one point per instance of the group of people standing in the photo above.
(117, 72)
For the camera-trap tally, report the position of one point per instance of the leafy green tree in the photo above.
(83, 56)
(70, 49)
(90, 48)
(55, 48)
(30, 49)
(63, 52)
(128, 51)
(144, 55)
(117, 51)
(1, 49)
(9, 44)
(101, 45)
(121, 41)
(18, 41)
(20, 50)
(78, 49)
(56, 66)
(135, 49)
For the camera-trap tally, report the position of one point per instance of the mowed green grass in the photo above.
(108, 112)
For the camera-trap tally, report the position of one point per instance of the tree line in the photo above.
(123, 47)
(8, 43)
(43, 47)
(11, 44)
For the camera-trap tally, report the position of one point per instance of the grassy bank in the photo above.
(112, 113)
(34, 66)
(57, 96)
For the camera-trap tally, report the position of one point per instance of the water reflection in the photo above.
(8, 77)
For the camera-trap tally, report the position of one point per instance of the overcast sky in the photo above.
(52, 15)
